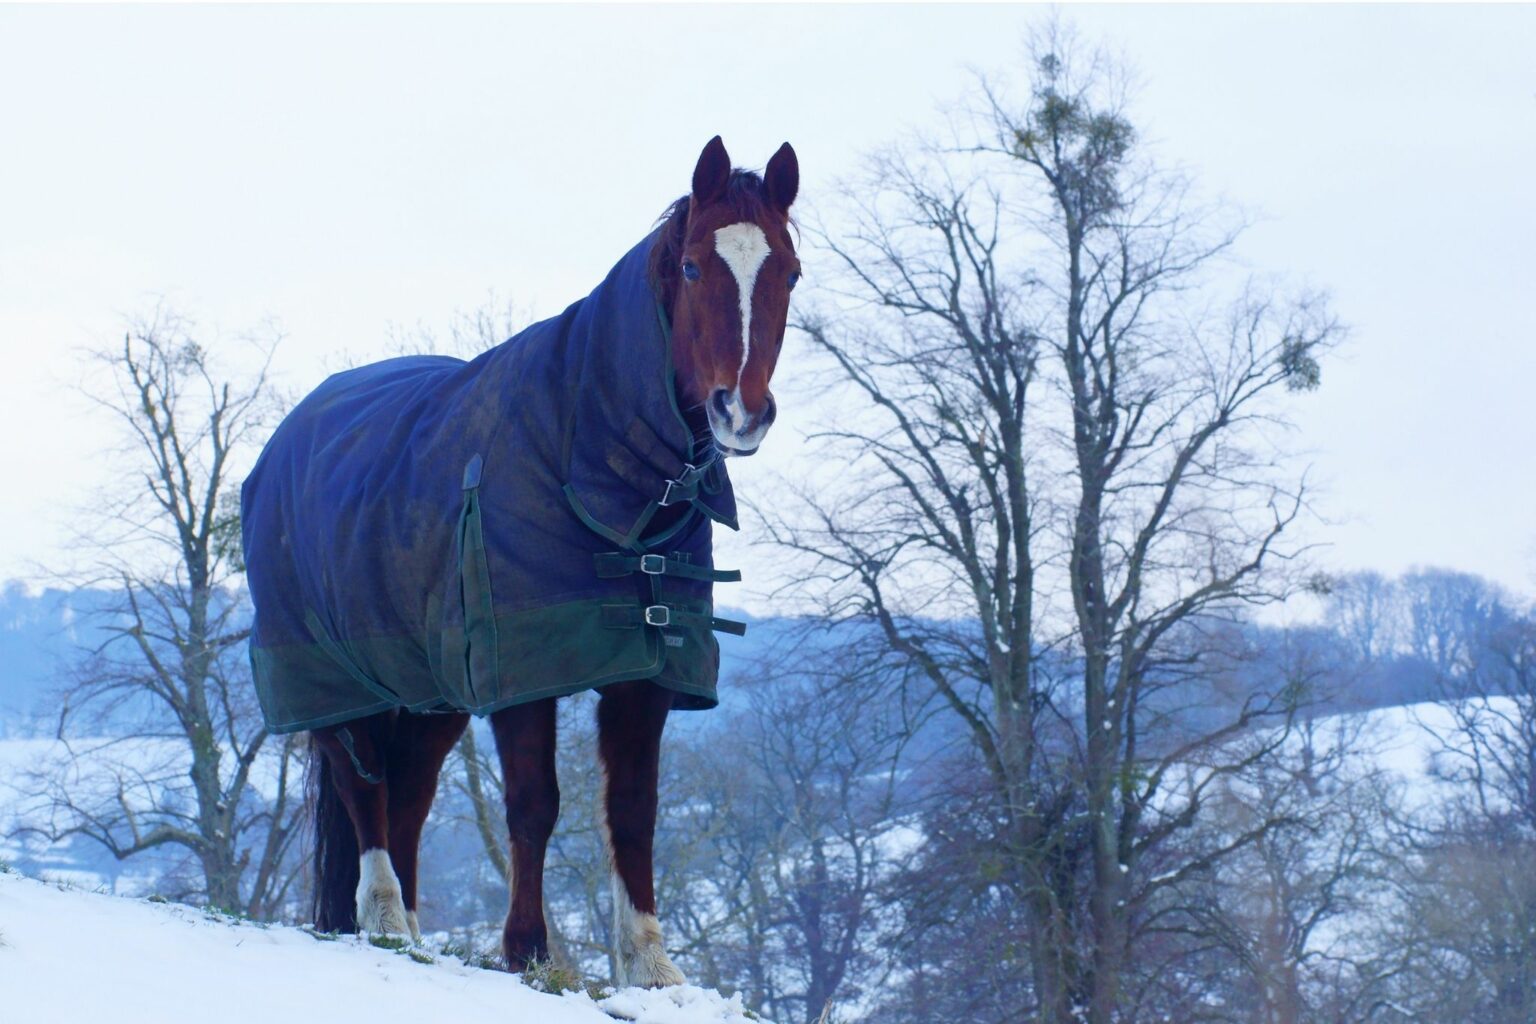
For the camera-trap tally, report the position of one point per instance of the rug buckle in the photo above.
(658, 615)
(685, 479)
(653, 565)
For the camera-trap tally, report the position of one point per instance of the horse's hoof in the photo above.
(380, 908)
(521, 949)
(643, 960)
(652, 968)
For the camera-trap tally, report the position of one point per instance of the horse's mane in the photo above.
(744, 193)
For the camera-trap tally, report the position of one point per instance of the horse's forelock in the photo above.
(745, 195)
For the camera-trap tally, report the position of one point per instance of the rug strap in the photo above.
(611, 565)
(629, 616)
(345, 736)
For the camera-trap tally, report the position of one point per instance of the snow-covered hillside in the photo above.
(67, 956)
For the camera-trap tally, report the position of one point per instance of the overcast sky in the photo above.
(340, 170)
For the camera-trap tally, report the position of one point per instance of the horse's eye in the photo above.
(690, 270)
(794, 279)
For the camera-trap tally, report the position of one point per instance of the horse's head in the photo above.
(725, 265)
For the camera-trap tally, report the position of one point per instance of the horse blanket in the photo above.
(434, 534)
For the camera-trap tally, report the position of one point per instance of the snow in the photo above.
(680, 1003)
(1403, 742)
(67, 955)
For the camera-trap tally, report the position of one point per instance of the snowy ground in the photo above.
(67, 956)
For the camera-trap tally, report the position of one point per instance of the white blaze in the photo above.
(743, 247)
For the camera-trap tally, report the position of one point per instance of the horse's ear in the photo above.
(782, 177)
(712, 173)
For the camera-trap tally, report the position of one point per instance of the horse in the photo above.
(394, 597)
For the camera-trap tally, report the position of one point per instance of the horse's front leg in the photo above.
(630, 719)
(417, 750)
(525, 741)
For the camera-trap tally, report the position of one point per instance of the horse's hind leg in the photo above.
(525, 740)
(355, 755)
(414, 759)
(630, 719)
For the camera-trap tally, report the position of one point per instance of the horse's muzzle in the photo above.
(737, 430)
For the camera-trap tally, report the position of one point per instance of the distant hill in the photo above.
(43, 632)
(40, 633)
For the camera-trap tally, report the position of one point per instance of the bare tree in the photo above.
(1295, 913)
(1365, 608)
(475, 774)
(809, 785)
(189, 764)
(1468, 908)
(1465, 928)
(1040, 401)
(467, 334)
(1450, 618)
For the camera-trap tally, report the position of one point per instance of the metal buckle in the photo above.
(653, 565)
(658, 615)
(666, 496)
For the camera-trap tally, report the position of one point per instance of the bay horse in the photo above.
(718, 271)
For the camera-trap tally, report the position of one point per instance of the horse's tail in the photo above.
(336, 856)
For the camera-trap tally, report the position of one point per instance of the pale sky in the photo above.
(340, 170)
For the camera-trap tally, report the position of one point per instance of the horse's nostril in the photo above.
(770, 410)
(719, 401)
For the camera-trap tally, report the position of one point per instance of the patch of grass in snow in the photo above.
(400, 944)
(393, 943)
(471, 957)
(553, 977)
(222, 916)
